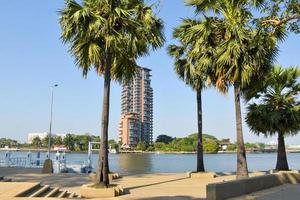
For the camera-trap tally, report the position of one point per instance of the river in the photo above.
(128, 164)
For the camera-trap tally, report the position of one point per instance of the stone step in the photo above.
(28, 191)
(53, 192)
(42, 190)
(72, 195)
(62, 194)
(38, 190)
(119, 190)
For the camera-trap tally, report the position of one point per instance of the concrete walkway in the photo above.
(146, 186)
(149, 186)
(283, 192)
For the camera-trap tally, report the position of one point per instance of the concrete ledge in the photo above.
(201, 174)
(273, 171)
(219, 191)
(111, 176)
(87, 191)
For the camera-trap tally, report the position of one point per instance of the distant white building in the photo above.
(31, 136)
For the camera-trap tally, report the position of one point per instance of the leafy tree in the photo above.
(277, 110)
(211, 146)
(150, 148)
(231, 147)
(164, 138)
(113, 144)
(250, 146)
(69, 142)
(109, 36)
(57, 140)
(243, 53)
(8, 142)
(37, 142)
(141, 146)
(209, 137)
(45, 141)
(159, 146)
(193, 65)
(282, 14)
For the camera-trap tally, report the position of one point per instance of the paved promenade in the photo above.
(283, 192)
(149, 186)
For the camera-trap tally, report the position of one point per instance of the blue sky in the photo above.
(32, 58)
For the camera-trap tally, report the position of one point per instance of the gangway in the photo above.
(90, 155)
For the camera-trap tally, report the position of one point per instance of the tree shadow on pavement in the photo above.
(172, 198)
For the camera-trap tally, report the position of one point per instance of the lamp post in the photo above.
(48, 166)
(50, 129)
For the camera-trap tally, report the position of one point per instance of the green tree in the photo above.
(164, 138)
(69, 142)
(195, 71)
(109, 36)
(231, 147)
(211, 146)
(277, 110)
(45, 141)
(282, 14)
(242, 54)
(8, 142)
(57, 140)
(159, 146)
(113, 144)
(141, 146)
(37, 142)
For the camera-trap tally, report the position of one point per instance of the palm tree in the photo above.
(187, 72)
(109, 35)
(193, 65)
(277, 110)
(243, 53)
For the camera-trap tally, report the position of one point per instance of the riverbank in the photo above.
(146, 152)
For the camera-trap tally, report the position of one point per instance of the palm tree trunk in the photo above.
(103, 168)
(282, 163)
(242, 169)
(200, 162)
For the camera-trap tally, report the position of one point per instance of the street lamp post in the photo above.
(48, 165)
(51, 114)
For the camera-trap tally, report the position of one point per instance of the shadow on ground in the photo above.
(171, 198)
(57, 180)
(157, 183)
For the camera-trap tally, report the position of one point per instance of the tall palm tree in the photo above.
(186, 71)
(193, 65)
(109, 35)
(243, 54)
(277, 109)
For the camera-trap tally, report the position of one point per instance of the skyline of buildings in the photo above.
(136, 124)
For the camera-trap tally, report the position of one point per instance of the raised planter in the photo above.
(111, 176)
(87, 191)
(48, 167)
(201, 174)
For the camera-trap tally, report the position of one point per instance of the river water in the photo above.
(172, 163)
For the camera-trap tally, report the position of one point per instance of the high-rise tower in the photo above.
(137, 110)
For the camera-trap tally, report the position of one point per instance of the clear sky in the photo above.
(32, 58)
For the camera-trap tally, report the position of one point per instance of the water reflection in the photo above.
(135, 163)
